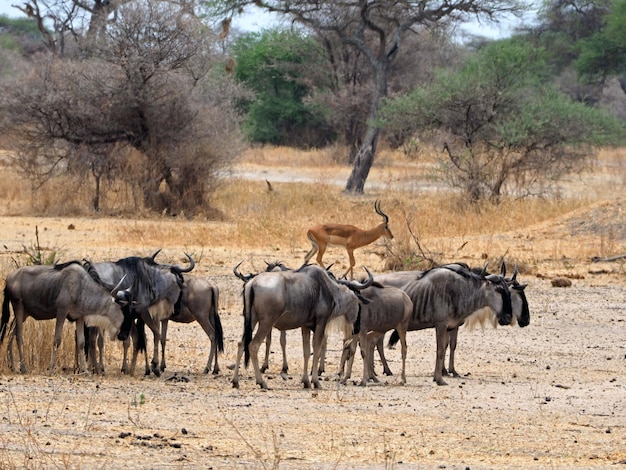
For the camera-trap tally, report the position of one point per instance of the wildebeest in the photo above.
(307, 298)
(156, 290)
(387, 308)
(323, 235)
(519, 307)
(200, 303)
(274, 266)
(63, 291)
(443, 297)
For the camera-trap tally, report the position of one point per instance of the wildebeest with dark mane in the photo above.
(59, 292)
(307, 298)
(519, 307)
(156, 290)
(443, 297)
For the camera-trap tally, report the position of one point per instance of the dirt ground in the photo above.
(551, 395)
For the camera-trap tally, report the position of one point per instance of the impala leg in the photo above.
(352, 263)
(306, 351)
(320, 255)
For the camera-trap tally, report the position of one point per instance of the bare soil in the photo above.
(551, 395)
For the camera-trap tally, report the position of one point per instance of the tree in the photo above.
(274, 64)
(499, 125)
(604, 53)
(377, 30)
(151, 83)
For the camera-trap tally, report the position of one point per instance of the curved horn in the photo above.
(515, 271)
(118, 287)
(241, 276)
(192, 264)
(380, 212)
(484, 270)
(503, 269)
(365, 284)
(155, 254)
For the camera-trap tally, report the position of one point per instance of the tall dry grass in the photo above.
(429, 226)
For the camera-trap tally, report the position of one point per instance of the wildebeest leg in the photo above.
(253, 348)
(347, 359)
(163, 339)
(268, 344)
(156, 336)
(380, 346)
(236, 371)
(452, 339)
(364, 339)
(442, 337)
(100, 365)
(18, 313)
(58, 335)
(322, 368)
(283, 347)
(318, 340)
(402, 334)
(209, 329)
(306, 351)
(80, 345)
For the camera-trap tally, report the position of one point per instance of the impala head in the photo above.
(379, 211)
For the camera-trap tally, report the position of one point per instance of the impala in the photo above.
(323, 235)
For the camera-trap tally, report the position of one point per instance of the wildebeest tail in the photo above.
(219, 333)
(141, 335)
(5, 313)
(217, 322)
(393, 339)
(247, 325)
(356, 328)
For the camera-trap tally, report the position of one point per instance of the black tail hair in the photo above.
(393, 339)
(5, 313)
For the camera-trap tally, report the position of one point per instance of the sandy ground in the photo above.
(551, 395)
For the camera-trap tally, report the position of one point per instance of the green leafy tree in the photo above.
(274, 64)
(499, 127)
(378, 31)
(604, 53)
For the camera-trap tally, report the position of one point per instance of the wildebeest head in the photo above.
(501, 287)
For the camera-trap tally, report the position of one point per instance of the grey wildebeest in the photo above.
(307, 298)
(59, 292)
(276, 267)
(519, 307)
(199, 303)
(387, 308)
(443, 297)
(349, 236)
(156, 291)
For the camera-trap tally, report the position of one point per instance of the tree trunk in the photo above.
(365, 155)
(363, 162)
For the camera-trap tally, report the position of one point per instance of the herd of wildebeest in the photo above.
(117, 299)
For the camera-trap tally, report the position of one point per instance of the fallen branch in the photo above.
(597, 259)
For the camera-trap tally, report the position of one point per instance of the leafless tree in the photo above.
(151, 82)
